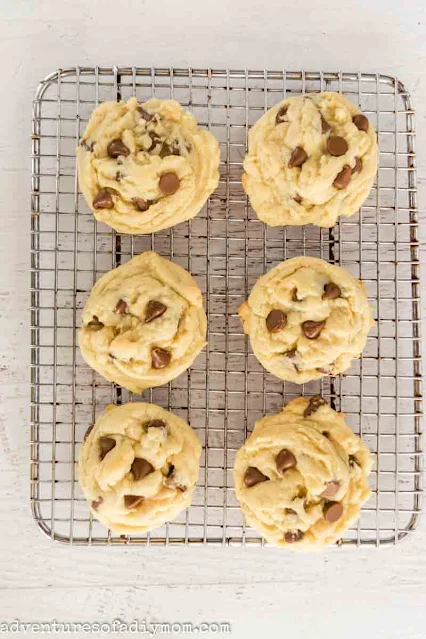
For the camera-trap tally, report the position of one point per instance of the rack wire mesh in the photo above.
(226, 249)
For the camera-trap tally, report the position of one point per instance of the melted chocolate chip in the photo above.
(121, 307)
(280, 115)
(331, 489)
(315, 402)
(312, 329)
(297, 158)
(153, 310)
(97, 502)
(117, 147)
(337, 145)
(141, 204)
(156, 423)
(103, 200)
(167, 149)
(140, 468)
(160, 358)
(361, 122)
(291, 354)
(325, 127)
(89, 146)
(298, 199)
(169, 183)
(144, 114)
(291, 536)
(332, 511)
(358, 165)
(106, 444)
(88, 431)
(285, 460)
(254, 476)
(276, 321)
(155, 139)
(132, 501)
(343, 178)
(331, 291)
(95, 324)
(353, 461)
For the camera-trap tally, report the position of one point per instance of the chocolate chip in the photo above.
(144, 114)
(337, 145)
(325, 127)
(291, 536)
(276, 321)
(361, 122)
(332, 511)
(353, 461)
(121, 307)
(315, 402)
(253, 476)
(132, 501)
(141, 204)
(294, 295)
(297, 158)
(312, 329)
(88, 431)
(156, 423)
(331, 291)
(95, 324)
(160, 358)
(153, 310)
(291, 354)
(331, 489)
(280, 115)
(118, 176)
(285, 460)
(103, 200)
(358, 165)
(171, 471)
(140, 468)
(117, 147)
(343, 178)
(97, 502)
(298, 199)
(169, 183)
(106, 444)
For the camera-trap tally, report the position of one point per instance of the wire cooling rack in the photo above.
(226, 249)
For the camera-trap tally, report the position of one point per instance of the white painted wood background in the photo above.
(341, 593)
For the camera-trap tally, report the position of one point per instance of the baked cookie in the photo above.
(138, 467)
(306, 318)
(144, 323)
(301, 476)
(310, 159)
(146, 167)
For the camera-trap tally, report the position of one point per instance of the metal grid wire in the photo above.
(226, 249)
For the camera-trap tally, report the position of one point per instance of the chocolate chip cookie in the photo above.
(144, 323)
(138, 467)
(146, 167)
(302, 476)
(311, 159)
(306, 318)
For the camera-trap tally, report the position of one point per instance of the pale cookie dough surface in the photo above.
(159, 139)
(138, 467)
(311, 479)
(308, 193)
(144, 323)
(306, 318)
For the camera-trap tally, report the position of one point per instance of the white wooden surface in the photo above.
(341, 593)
